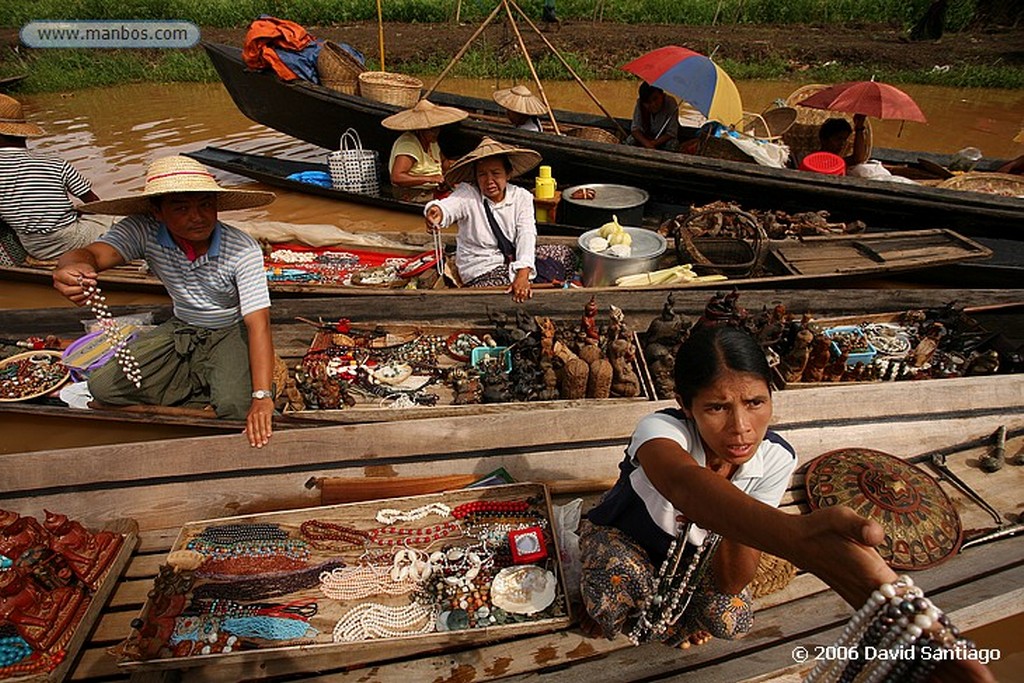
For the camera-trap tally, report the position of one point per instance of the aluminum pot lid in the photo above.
(646, 244)
(922, 528)
(607, 196)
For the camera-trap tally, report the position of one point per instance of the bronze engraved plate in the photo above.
(922, 528)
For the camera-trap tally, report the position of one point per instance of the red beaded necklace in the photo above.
(502, 506)
(392, 535)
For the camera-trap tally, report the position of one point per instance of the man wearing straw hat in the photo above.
(217, 348)
(496, 242)
(416, 161)
(34, 191)
(522, 107)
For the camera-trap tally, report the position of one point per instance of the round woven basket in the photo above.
(594, 135)
(52, 356)
(769, 125)
(802, 136)
(720, 148)
(338, 69)
(773, 574)
(390, 88)
(993, 183)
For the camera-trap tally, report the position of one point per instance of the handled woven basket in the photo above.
(802, 135)
(391, 88)
(354, 169)
(338, 69)
(594, 135)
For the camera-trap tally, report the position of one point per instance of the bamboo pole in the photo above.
(569, 68)
(458, 11)
(529, 63)
(462, 51)
(380, 34)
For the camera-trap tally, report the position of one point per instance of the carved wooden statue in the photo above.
(88, 554)
(624, 380)
(793, 363)
(43, 618)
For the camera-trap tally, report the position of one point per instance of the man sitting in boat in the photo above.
(496, 243)
(415, 165)
(34, 191)
(655, 120)
(835, 133)
(217, 348)
(522, 108)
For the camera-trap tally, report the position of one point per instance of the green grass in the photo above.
(59, 70)
(238, 13)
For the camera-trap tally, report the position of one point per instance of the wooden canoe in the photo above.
(319, 115)
(807, 262)
(57, 426)
(163, 486)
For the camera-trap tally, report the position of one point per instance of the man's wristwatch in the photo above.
(262, 393)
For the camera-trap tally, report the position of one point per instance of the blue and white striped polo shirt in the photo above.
(635, 507)
(216, 290)
(34, 191)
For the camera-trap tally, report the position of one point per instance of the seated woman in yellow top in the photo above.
(415, 157)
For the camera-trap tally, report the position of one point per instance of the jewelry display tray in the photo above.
(325, 654)
(97, 601)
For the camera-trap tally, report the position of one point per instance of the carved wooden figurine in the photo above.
(624, 380)
(793, 363)
(42, 618)
(88, 554)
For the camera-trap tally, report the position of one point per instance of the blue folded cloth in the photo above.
(320, 178)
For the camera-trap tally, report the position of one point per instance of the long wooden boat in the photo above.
(57, 426)
(320, 116)
(162, 485)
(807, 262)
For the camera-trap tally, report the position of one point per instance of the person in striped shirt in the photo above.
(35, 189)
(217, 348)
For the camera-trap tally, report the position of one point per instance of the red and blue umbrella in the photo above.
(694, 78)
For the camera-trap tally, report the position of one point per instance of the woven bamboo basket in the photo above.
(802, 136)
(720, 148)
(338, 69)
(1003, 184)
(390, 88)
(594, 135)
(769, 125)
(772, 575)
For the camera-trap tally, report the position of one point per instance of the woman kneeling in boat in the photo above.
(669, 552)
(496, 242)
(415, 166)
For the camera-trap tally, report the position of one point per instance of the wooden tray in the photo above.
(96, 602)
(326, 654)
(28, 354)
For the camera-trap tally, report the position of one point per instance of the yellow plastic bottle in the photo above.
(544, 189)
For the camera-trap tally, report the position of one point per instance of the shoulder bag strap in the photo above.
(508, 250)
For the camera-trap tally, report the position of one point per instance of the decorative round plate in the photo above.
(461, 344)
(31, 374)
(921, 525)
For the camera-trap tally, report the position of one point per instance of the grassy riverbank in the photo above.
(596, 50)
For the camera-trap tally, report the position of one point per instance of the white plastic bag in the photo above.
(874, 170)
(567, 522)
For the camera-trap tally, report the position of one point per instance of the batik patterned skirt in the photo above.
(618, 575)
(562, 257)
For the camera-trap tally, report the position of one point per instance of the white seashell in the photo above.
(474, 559)
(455, 554)
(396, 573)
(524, 589)
(472, 572)
(436, 557)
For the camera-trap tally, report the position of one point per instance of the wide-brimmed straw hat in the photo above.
(522, 160)
(424, 115)
(175, 175)
(13, 122)
(520, 99)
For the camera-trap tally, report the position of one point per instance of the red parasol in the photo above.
(870, 98)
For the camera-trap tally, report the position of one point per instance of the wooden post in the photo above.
(569, 68)
(458, 55)
(380, 34)
(529, 63)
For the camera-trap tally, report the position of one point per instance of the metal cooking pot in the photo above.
(600, 270)
(619, 200)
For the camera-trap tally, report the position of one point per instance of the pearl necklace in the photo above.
(900, 622)
(390, 515)
(373, 620)
(355, 583)
(113, 332)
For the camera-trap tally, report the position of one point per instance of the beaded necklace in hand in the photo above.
(113, 332)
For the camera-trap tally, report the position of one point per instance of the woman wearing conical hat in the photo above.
(496, 243)
(35, 190)
(522, 107)
(217, 349)
(416, 160)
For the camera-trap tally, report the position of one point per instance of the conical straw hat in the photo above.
(520, 99)
(424, 115)
(522, 160)
(13, 122)
(173, 175)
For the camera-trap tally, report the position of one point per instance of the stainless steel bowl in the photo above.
(600, 270)
(620, 200)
